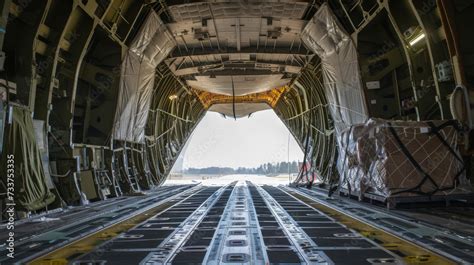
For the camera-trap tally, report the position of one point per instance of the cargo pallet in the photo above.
(393, 202)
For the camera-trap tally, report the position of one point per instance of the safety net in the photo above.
(403, 158)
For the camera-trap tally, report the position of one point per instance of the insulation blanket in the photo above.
(31, 191)
(403, 158)
(342, 82)
(340, 69)
(151, 46)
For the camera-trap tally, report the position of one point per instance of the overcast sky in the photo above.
(245, 142)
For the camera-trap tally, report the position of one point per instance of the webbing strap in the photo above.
(435, 130)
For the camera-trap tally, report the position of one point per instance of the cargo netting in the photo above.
(402, 158)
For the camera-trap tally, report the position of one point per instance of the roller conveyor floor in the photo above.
(239, 223)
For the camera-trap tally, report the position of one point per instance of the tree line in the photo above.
(263, 169)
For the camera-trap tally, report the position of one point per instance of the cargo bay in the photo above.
(98, 99)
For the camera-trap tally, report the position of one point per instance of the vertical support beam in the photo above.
(430, 53)
(237, 33)
(407, 56)
(4, 9)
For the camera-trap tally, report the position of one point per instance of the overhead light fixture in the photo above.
(173, 97)
(417, 39)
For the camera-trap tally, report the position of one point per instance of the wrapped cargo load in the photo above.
(390, 159)
(32, 187)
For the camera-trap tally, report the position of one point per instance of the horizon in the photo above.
(242, 167)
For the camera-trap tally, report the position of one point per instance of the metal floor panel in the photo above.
(68, 225)
(237, 238)
(359, 256)
(330, 232)
(439, 238)
(243, 223)
(149, 239)
(187, 257)
(278, 256)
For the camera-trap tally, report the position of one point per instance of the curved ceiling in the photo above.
(237, 48)
(117, 86)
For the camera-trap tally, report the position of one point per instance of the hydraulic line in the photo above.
(233, 96)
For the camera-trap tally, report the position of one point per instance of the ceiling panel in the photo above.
(243, 84)
(241, 109)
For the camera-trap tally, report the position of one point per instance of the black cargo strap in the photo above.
(344, 180)
(435, 130)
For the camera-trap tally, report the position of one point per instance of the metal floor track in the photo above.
(240, 223)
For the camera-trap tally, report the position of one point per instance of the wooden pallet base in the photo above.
(393, 202)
